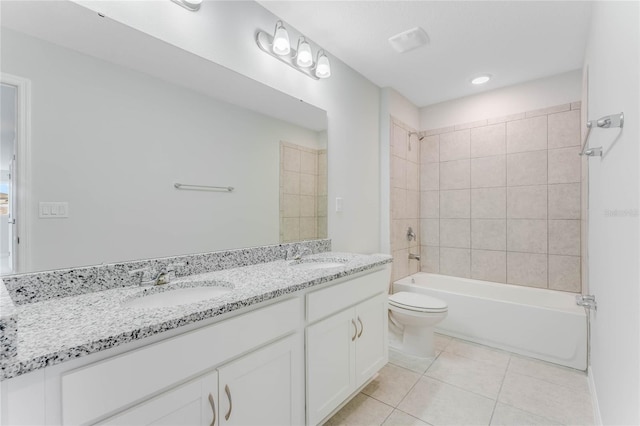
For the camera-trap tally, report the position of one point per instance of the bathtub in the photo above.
(537, 323)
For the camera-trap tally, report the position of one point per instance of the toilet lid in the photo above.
(417, 302)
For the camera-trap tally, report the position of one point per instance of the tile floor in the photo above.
(470, 384)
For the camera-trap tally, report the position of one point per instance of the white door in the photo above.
(194, 403)
(8, 140)
(258, 389)
(330, 361)
(371, 343)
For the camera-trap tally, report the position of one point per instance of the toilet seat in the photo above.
(417, 302)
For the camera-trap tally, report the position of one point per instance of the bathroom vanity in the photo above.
(289, 343)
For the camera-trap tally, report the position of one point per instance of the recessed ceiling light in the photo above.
(481, 79)
(409, 40)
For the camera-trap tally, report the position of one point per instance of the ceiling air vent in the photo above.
(409, 40)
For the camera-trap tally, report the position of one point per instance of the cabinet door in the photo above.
(191, 404)
(261, 387)
(330, 360)
(372, 343)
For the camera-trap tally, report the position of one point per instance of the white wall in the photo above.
(554, 90)
(111, 142)
(392, 104)
(614, 244)
(224, 33)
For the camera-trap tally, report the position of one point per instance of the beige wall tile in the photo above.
(307, 184)
(415, 226)
(400, 265)
(322, 185)
(488, 141)
(564, 165)
(429, 204)
(489, 172)
(413, 178)
(398, 234)
(399, 142)
(430, 149)
(430, 177)
(527, 168)
(564, 273)
(471, 125)
(564, 129)
(455, 262)
(291, 182)
(455, 204)
(549, 110)
(527, 202)
(564, 201)
(527, 235)
(308, 162)
(489, 234)
(322, 162)
(527, 269)
(307, 206)
(413, 149)
(576, 105)
(430, 232)
(398, 203)
(321, 206)
(529, 134)
(290, 205)
(489, 203)
(489, 265)
(413, 205)
(455, 233)
(455, 145)
(505, 118)
(455, 174)
(430, 259)
(291, 227)
(398, 172)
(308, 228)
(439, 131)
(291, 159)
(564, 237)
(322, 227)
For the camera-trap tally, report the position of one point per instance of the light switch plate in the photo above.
(338, 204)
(53, 210)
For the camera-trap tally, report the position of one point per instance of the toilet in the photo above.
(414, 316)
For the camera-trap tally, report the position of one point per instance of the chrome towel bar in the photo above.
(606, 122)
(203, 187)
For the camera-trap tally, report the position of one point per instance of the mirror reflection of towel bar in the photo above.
(203, 187)
(606, 122)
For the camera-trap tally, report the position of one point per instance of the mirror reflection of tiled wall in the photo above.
(303, 193)
(501, 199)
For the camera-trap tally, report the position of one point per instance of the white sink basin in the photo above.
(177, 296)
(317, 265)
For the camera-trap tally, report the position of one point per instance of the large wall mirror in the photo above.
(115, 119)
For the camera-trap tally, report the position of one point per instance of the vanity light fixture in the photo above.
(192, 5)
(481, 79)
(300, 57)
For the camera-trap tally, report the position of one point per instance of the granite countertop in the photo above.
(53, 331)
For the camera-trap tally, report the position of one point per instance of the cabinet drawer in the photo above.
(335, 298)
(105, 387)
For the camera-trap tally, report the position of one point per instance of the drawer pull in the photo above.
(213, 408)
(361, 327)
(355, 330)
(228, 392)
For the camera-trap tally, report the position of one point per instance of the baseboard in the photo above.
(597, 418)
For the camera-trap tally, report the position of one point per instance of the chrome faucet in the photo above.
(296, 253)
(414, 256)
(151, 276)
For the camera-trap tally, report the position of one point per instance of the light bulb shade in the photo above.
(281, 45)
(323, 68)
(304, 57)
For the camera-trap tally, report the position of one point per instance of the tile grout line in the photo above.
(506, 371)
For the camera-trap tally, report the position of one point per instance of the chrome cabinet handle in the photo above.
(355, 330)
(213, 408)
(228, 392)
(361, 327)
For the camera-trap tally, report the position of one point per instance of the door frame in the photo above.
(23, 176)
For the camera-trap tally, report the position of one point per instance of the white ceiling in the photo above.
(515, 41)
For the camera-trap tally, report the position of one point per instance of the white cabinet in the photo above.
(192, 404)
(258, 388)
(344, 351)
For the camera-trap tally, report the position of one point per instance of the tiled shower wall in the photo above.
(303, 193)
(405, 199)
(500, 199)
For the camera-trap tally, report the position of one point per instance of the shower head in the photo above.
(415, 133)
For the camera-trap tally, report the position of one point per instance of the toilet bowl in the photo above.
(414, 316)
